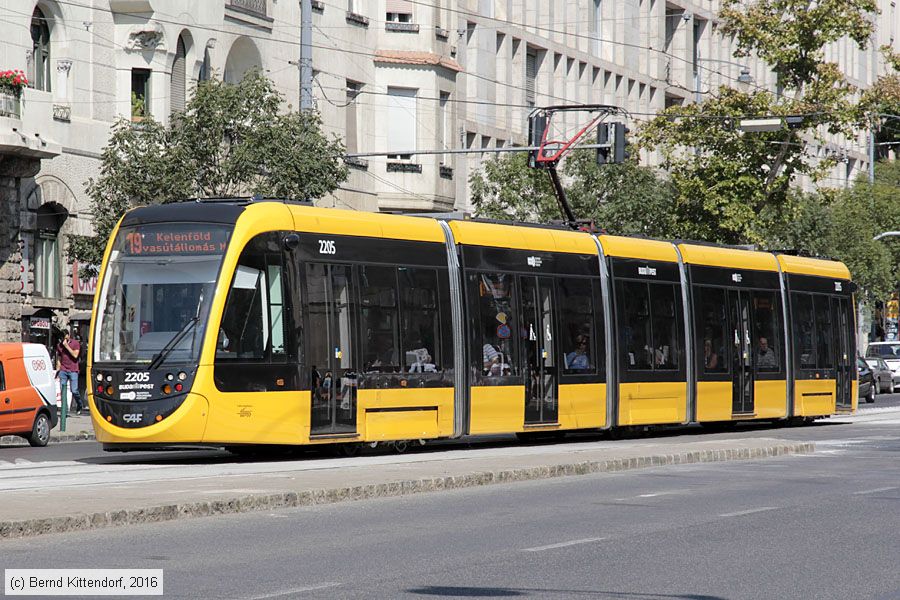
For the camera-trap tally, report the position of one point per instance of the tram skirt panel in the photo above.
(714, 400)
(770, 399)
(582, 406)
(652, 403)
(405, 414)
(814, 397)
(497, 409)
(258, 418)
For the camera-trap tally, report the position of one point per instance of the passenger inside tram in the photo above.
(579, 359)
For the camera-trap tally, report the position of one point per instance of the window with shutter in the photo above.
(353, 89)
(530, 76)
(399, 11)
(177, 88)
(401, 123)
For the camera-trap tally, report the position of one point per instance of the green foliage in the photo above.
(734, 186)
(231, 140)
(623, 199)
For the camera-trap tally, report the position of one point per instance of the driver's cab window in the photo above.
(254, 323)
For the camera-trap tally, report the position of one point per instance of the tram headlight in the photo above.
(169, 377)
(99, 376)
(182, 376)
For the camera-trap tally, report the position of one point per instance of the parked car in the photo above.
(866, 383)
(27, 392)
(890, 352)
(885, 379)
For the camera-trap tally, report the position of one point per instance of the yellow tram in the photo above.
(241, 322)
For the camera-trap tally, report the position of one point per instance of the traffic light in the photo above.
(603, 140)
(619, 143)
(537, 124)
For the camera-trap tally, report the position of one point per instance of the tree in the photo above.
(231, 140)
(727, 178)
(623, 199)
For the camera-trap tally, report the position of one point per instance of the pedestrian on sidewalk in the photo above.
(67, 352)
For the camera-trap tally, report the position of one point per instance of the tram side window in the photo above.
(582, 334)
(767, 341)
(713, 327)
(379, 308)
(635, 298)
(665, 326)
(419, 322)
(804, 330)
(496, 323)
(254, 324)
(824, 333)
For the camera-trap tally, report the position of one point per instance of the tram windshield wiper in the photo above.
(167, 349)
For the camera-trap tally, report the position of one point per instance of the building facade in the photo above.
(411, 78)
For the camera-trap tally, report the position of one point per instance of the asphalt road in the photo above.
(818, 526)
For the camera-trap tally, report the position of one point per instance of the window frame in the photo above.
(625, 270)
(598, 335)
(40, 77)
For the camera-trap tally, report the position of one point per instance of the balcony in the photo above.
(257, 7)
(24, 126)
(10, 106)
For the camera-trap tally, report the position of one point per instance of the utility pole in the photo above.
(871, 153)
(306, 97)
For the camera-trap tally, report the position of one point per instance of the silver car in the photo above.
(890, 353)
(882, 376)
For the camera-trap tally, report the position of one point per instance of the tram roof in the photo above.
(366, 224)
(497, 235)
(804, 265)
(640, 248)
(726, 257)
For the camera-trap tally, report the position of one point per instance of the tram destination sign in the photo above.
(176, 240)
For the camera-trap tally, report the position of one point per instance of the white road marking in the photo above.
(751, 511)
(655, 494)
(562, 544)
(307, 588)
(876, 490)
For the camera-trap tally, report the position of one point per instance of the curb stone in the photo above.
(254, 502)
(83, 436)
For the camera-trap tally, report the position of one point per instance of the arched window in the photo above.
(205, 68)
(177, 88)
(47, 264)
(39, 64)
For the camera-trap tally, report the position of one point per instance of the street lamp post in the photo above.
(886, 234)
(745, 79)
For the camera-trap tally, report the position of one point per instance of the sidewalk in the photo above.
(78, 428)
(39, 499)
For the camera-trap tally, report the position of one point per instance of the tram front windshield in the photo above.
(157, 291)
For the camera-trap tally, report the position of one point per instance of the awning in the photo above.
(80, 315)
(32, 311)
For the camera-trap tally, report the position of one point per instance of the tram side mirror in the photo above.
(291, 241)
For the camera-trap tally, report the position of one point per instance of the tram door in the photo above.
(742, 352)
(539, 351)
(330, 294)
(842, 326)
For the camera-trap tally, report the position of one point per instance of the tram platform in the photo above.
(62, 496)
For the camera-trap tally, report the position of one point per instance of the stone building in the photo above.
(391, 76)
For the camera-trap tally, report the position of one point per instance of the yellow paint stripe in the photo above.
(713, 256)
(802, 265)
(625, 247)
